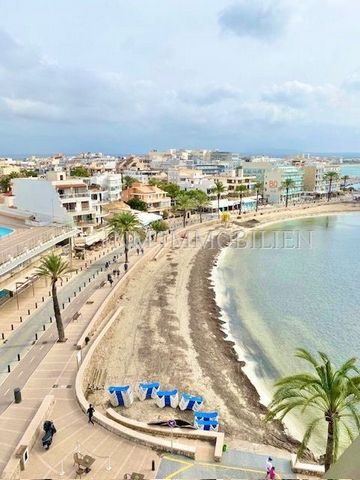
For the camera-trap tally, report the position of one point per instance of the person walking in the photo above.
(272, 474)
(90, 412)
(138, 251)
(126, 266)
(110, 279)
(269, 466)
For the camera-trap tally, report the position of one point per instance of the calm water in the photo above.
(351, 170)
(276, 300)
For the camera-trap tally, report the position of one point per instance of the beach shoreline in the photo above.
(171, 330)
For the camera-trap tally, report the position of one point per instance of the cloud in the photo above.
(261, 19)
(301, 95)
(352, 83)
(209, 95)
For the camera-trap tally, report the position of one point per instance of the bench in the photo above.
(76, 316)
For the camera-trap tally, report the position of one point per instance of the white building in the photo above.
(56, 199)
(110, 184)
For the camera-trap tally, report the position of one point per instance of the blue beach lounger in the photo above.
(121, 396)
(207, 425)
(148, 390)
(190, 402)
(167, 398)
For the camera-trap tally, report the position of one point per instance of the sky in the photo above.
(122, 76)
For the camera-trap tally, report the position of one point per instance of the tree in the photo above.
(218, 190)
(126, 224)
(54, 267)
(287, 184)
(137, 204)
(171, 189)
(330, 177)
(345, 178)
(5, 181)
(259, 187)
(128, 182)
(331, 395)
(184, 204)
(241, 190)
(79, 171)
(201, 200)
(24, 172)
(159, 226)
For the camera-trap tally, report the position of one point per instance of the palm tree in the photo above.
(125, 224)
(218, 190)
(184, 204)
(201, 200)
(345, 179)
(241, 189)
(54, 267)
(287, 184)
(128, 182)
(332, 396)
(330, 177)
(259, 186)
(159, 226)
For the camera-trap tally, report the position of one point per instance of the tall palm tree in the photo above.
(184, 203)
(345, 178)
(287, 184)
(54, 267)
(201, 200)
(331, 395)
(241, 190)
(330, 177)
(126, 224)
(218, 190)
(259, 187)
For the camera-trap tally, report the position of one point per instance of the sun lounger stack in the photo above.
(190, 402)
(167, 398)
(148, 390)
(121, 396)
(208, 421)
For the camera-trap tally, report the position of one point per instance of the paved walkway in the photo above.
(235, 464)
(50, 368)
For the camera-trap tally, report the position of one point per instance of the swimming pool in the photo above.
(4, 231)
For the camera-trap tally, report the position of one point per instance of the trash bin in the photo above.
(17, 395)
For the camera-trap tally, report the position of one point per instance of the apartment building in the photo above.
(190, 179)
(236, 178)
(156, 199)
(315, 180)
(272, 176)
(61, 200)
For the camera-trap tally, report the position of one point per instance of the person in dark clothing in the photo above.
(138, 251)
(110, 279)
(90, 412)
(126, 266)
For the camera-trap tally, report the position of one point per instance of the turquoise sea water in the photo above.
(351, 170)
(278, 299)
(4, 231)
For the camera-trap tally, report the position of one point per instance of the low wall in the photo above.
(21, 455)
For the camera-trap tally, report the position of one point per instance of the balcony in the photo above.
(69, 196)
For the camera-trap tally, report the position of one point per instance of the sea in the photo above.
(293, 284)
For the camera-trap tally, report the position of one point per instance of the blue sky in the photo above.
(126, 76)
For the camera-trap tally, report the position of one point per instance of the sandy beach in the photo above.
(170, 331)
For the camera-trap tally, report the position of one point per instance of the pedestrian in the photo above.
(272, 474)
(138, 251)
(118, 272)
(269, 466)
(114, 259)
(106, 265)
(114, 272)
(126, 266)
(142, 251)
(90, 412)
(110, 279)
